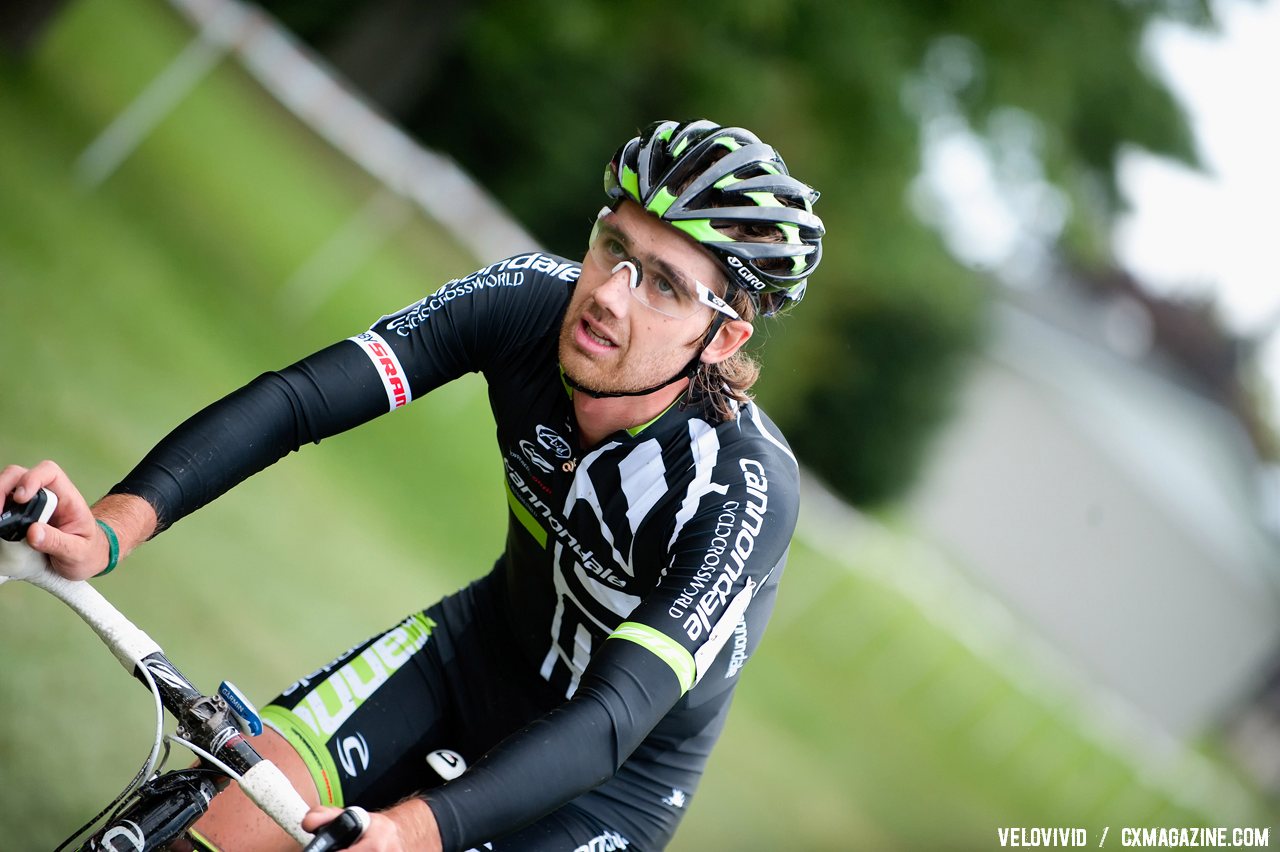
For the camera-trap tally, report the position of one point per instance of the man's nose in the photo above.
(614, 292)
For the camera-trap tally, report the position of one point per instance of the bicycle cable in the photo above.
(204, 755)
(148, 766)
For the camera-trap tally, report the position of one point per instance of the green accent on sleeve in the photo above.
(701, 230)
(667, 649)
(314, 753)
(661, 202)
(630, 181)
(525, 518)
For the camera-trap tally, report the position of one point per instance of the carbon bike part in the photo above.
(205, 721)
(164, 809)
(340, 832)
(17, 518)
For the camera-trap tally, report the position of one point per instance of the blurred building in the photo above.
(1102, 478)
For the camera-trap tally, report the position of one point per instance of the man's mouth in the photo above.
(596, 337)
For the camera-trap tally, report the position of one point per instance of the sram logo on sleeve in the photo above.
(394, 381)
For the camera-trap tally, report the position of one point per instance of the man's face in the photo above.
(610, 341)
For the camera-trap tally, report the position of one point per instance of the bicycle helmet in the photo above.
(705, 179)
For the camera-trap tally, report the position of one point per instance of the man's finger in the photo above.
(47, 540)
(72, 514)
(319, 816)
(45, 474)
(48, 474)
(9, 479)
(61, 546)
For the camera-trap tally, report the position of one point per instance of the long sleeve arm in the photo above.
(253, 427)
(624, 693)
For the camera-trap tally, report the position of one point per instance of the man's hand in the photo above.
(76, 546)
(407, 827)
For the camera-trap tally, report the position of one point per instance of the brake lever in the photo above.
(17, 518)
(17, 560)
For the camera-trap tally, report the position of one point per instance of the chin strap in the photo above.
(686, 372)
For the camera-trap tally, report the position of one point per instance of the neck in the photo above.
(600, 417)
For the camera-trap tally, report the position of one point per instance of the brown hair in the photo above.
(727, 384)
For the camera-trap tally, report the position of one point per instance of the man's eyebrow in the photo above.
(675, 276)
(671, 273)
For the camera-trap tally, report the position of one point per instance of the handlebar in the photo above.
(260, 779)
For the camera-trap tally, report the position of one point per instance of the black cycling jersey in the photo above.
(638, 574)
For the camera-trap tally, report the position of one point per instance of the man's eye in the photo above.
(665, 288)
(615, 248)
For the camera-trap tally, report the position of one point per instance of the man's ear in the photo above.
(731, 337)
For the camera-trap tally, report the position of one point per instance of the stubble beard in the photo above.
(606, 378)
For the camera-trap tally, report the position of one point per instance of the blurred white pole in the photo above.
(122, 137)
(325, 102)
(338, 257)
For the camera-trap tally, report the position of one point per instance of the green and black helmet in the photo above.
(720, 184)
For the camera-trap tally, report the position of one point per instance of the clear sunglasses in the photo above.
(669, 298)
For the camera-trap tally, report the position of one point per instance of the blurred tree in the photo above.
(532, 95)
(22, 24)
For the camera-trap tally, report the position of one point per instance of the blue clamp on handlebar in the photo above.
(241, 708)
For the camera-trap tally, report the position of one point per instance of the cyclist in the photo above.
(587, 676)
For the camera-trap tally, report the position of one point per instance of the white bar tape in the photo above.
(126, 640)
(271, 791)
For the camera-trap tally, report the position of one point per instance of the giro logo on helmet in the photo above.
(745, 274)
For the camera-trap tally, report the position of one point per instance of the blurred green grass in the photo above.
(862, 723)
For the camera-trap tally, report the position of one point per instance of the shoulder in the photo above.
(753, 440)
(762, 458)
(745, 459)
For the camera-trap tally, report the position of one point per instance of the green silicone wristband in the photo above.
(115, 549)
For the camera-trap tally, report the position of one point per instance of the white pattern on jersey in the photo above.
(769, 436)
(644, 480)
(585, 490)
(705, 447)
